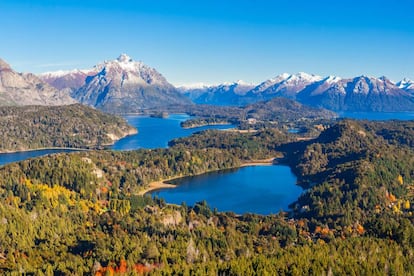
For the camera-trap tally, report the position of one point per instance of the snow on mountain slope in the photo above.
(285, 85)
(357, 94)
(406, 84)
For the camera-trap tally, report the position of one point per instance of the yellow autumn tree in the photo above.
(407, 205)
(400, 179)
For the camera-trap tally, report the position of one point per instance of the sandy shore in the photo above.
(264, 162)
(156, 185)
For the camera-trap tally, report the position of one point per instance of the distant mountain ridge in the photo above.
(357, 94)
(72, 80)
(284, 85)
(334, 93)
(17, 89)
(406, 84)
(222, 94)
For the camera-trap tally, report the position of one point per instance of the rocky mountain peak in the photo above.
(405, 84)
(4, 65)
(27, 89)
(125, 85)
(124, 71)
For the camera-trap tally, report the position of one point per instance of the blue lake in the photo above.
(254, 189)
(152, 133)
(6, 158)
(378, 116)
(157, 132)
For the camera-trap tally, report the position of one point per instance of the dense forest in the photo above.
(81, 213)
(71, 126)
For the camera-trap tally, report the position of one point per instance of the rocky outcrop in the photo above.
(18, 89)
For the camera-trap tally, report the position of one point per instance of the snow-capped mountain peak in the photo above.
(124, 58)
(127, 85)
(405, 84)
(305, 77)
(294, 78)
(285, 85)
(130, 72)
(278, 78)
(122, 63)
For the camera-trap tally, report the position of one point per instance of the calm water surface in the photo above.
(254, 189)
(6, 158)
(157, 132)
(378, 116)
(152, 133)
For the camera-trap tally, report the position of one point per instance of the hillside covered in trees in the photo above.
(71, 126)
(81, 213)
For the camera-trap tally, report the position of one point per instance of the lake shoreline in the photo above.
(105, 146)
(45, 148)
(162, 184)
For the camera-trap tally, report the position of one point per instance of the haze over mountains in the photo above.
(124, 85)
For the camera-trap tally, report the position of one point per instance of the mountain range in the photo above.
(354, 94)
(124, 85)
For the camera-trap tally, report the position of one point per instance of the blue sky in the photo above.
(213, 41)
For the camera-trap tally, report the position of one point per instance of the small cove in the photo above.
(252, 189)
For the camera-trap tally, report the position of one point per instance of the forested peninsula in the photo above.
(81, 213)
(72, 126)
(274, 112)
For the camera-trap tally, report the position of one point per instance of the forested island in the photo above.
(81, 213)
(199, 122)
(71, 126)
